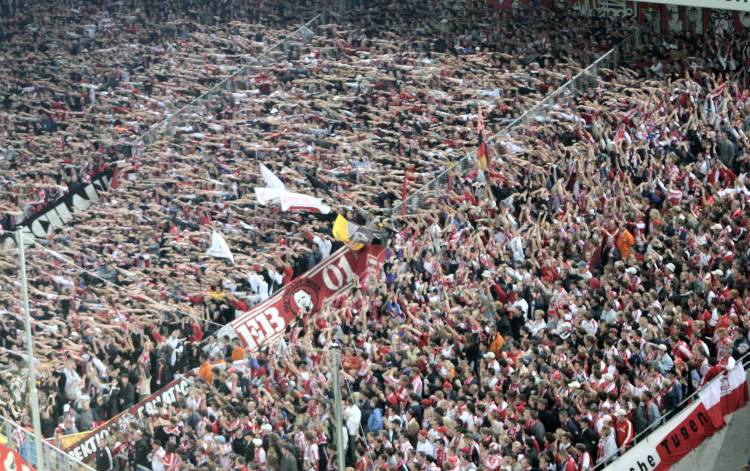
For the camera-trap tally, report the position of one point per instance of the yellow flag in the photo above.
(66, 441)
(344, 230)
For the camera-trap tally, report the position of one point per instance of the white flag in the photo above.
(272, 181)
(276, 193)
(269, 195)
(292, 201)
(219, 247)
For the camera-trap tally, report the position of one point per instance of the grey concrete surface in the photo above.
(727, 450)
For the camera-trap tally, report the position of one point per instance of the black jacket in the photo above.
(104, 461)
(503, 326)
(538, 431)
(639, 419)
(573, 429)
(549, 419)
(288, 463)
(127, 396)
(590, 438)
(142, 450)
(671, 400)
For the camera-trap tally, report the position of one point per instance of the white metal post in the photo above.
(33, 398)
(337, 406)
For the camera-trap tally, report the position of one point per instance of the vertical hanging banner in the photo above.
(734, 392)
(265, 323)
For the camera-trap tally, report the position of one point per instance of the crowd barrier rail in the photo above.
(665, 417)
(586, 80)
(21, 440)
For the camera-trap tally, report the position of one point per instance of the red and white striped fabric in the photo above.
(726, 394)
(670, 443)
(172, 461)
(312, 456)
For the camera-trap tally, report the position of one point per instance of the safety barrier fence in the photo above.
(237, 82)
(584, 81)
(21, 440)
(665, 417)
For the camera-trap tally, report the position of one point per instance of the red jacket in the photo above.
(623, 432)
(570, 465)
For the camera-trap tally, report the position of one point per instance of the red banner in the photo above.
(734, 393)
(683, 433)
(686, 436)
(718, 399)
(12, 461)
(86, 448)
(258, 327)
(265, 323)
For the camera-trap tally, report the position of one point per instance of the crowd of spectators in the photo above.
(84, 79)
(535, 316)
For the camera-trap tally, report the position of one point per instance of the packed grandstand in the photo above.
(511, 286)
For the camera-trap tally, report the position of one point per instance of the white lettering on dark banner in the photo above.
(87, 447)
(60, 212)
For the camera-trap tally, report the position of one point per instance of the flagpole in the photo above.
(405, 191)
(337, 407)
(34, 397)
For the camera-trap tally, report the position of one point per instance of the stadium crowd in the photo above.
(537, 316)
(84, 80)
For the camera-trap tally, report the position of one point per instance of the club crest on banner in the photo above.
(265, 323)
(302, 297)
(11, 460)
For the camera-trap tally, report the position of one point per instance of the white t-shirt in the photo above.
(353, 418)
(516, 247)
(258, 285)
(72, 383)
(522, 305)
(536, 326)
(324, 245)
(157, 460)
(345, 437)
(426, 447)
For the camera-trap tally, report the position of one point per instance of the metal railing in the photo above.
(666, 417)
(585, 80)
(22, 441)
(231, 84)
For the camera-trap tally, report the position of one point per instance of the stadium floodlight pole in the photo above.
(33, 395)
(337, 406)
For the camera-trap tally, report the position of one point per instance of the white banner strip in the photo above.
(740, 5)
